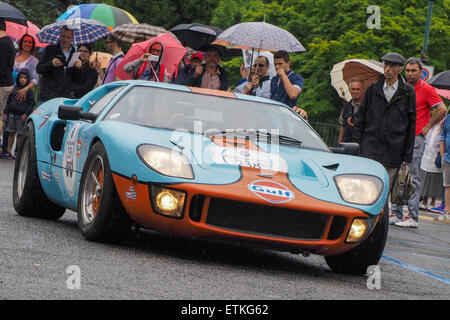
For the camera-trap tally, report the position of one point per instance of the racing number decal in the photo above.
(70, 159)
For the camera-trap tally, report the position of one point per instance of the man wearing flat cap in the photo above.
(386, 122)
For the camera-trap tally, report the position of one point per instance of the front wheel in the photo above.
(101, 215)
(29, 198)
(358, 259)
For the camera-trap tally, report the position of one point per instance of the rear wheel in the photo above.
(101, 215)
(29, 198)
(368, 253)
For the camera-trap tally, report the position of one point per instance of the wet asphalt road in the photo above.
(37, 258)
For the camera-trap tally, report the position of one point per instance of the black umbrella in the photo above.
(441, 80)
(195, 35)
(10, 13)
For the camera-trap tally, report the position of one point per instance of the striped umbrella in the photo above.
(108, 15)
(84, 30)
(131, 32)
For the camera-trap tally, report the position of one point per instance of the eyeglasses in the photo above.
(259, 65)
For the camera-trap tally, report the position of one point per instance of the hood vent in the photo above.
(332, 167)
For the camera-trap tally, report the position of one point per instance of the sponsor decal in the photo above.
(45, 176)
(38, 111)
(271, 191)
(248, 158)
(130, 194)
(70, 159)
(79, 146)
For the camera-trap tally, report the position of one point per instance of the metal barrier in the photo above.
(327, 129)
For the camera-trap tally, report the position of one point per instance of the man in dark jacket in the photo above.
(386, 121)
(349, 110)
(53, 66)
(17, 111)
(210, 75)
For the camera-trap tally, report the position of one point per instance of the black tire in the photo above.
(357, 260)
(104, 219)
(29, 198)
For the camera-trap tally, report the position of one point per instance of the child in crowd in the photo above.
(16, 111)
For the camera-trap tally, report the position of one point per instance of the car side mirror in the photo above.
(350, 148)
(66, 112)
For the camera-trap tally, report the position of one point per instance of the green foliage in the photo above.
(336, 30)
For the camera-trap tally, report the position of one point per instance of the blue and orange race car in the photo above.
(200, 163)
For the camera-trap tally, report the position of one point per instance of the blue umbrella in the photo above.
(85, 31)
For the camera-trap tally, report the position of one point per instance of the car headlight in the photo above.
(166, 161)
(169, 202)
(359, 189)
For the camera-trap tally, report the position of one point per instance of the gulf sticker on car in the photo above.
(271, 191)
(248, 158)
(70, 159)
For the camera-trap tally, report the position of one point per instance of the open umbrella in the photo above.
(259, 36)
(130, 32)
(16, 31)
(444, 93)
(102, 57)
(108, 15)
(195, 35)
(441, 80)
(173, 53)
(342, 72)
(85, 31)
(10, 13)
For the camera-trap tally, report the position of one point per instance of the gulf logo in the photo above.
(271, 191)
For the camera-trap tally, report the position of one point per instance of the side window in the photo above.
(99, 105)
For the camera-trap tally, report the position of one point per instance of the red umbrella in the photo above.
(173, 53)
(444, 93)
(16, 31)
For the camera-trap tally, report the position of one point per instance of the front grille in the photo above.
(265, 220)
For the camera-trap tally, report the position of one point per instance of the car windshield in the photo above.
(213, 115)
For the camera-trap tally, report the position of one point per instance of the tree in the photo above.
(336, 30)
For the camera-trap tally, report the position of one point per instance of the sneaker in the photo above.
(444, 218)
(439, 209)
(407, 222)
(393, 219)
(6, 155)
(423, 206)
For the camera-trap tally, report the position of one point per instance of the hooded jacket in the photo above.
(385, 130)
(16, 107)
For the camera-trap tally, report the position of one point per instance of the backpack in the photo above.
(403, 186)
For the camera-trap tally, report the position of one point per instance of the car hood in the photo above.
(218, 161)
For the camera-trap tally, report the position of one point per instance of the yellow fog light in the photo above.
(168, 202)
(358, 230)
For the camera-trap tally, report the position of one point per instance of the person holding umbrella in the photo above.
(52, 67)
(7, 55)
(210, 75)
(149, 66)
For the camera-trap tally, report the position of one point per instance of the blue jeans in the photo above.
(414, 169)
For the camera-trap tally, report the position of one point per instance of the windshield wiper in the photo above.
(269, 137)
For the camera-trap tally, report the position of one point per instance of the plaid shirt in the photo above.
(211, 81)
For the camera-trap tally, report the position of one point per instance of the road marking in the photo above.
(416, 254)
(419, 244)
(422, 271)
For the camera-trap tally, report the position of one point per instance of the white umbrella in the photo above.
(367, 70)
